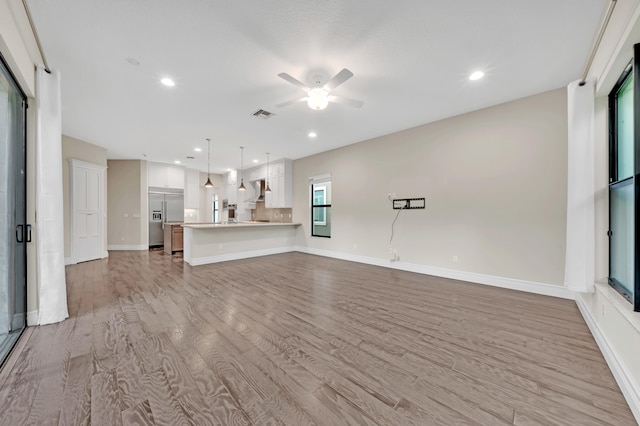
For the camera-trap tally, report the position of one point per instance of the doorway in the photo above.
(14, 231)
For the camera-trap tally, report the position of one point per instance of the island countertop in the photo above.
(218, 242)
(235, 225)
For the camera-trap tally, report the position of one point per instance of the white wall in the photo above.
(610, 317)
(18, 47)
(494, 182)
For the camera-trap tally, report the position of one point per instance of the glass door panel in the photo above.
(14, 232)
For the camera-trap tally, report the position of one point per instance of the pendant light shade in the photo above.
(208, 183)
(241, 187)
(267, 189)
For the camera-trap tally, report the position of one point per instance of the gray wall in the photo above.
(495, 188)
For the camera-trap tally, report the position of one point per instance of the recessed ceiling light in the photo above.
(312, 134)
(177, 161)
(255, 161)
(167, 82)
(197, 149)
(476, 75)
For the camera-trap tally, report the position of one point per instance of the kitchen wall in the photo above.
(271, 215)
(79, 150)
(494, 182)
(127, 212)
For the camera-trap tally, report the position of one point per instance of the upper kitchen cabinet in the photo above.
(231, 186)
(281, 184)
(192, 189)
(166, 176)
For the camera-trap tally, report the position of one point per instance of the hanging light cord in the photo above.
(209, 158)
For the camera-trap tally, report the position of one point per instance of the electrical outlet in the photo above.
(455, 259)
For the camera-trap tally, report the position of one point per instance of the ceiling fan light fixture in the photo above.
(476, 75)
(318, 98)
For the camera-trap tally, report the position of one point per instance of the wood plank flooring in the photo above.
(295, 339)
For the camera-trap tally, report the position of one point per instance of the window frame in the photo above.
(320, 182)
(631, 71)
(323, 189)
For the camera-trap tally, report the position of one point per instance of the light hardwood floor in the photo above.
(297, 339)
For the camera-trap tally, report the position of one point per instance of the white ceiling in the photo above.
(411, 60)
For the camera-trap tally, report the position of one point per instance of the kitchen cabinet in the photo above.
(231, 186)
(192, 189)
(173, 238)
(281, 184)
(165, 176)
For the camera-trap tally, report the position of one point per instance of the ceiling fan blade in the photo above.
(292, 80)
(338, 79)
(294, 101)
(346, 101)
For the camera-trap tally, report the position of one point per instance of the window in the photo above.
(624, 184)
(321, 207)
(215, 209)
(319, 213)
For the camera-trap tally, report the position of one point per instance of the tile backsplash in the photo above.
(272, 215)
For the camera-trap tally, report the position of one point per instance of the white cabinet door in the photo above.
(157, 175)
(231, 187)
(192, 189)
(165, 176)
(175, 177)
(281, 183)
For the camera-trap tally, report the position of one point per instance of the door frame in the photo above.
(79, 164)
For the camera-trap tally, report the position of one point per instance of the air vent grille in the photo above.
(261, 113)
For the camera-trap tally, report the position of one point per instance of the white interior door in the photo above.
(87, 215)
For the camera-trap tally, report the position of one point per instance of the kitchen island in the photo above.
(219, 242)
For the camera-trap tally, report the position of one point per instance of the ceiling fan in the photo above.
(319, 94)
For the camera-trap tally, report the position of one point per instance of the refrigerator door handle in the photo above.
(164, 213)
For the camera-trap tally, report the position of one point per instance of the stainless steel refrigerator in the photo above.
(163, 208)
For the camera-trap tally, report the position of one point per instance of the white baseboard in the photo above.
(620, 372)
(32, 318)
(510, 283)
(68, 261)
(131, 247)
(237, 256)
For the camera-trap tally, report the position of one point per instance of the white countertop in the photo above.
(235, 225)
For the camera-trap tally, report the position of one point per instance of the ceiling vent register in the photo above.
(263, 114)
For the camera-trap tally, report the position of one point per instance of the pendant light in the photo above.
(267, 189)
(241, 187)
(208, 183)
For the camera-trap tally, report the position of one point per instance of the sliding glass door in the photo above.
(14, 232)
